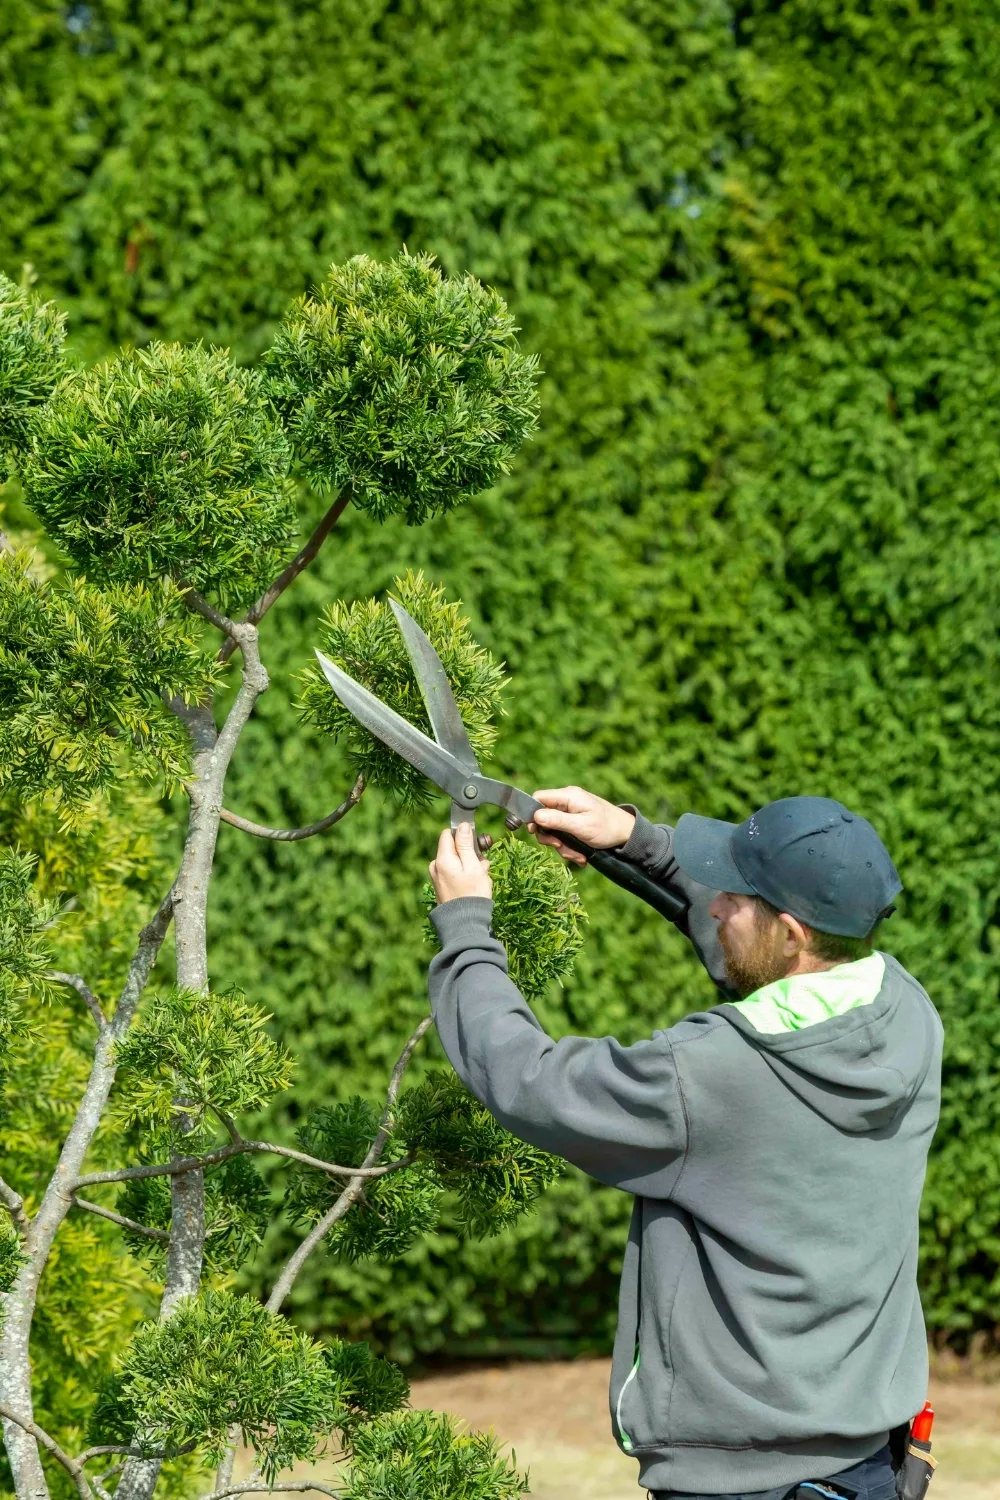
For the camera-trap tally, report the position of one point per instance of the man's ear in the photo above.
(796, 936)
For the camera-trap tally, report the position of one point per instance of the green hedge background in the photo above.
(754, 550)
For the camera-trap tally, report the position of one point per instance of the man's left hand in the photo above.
(459, 870)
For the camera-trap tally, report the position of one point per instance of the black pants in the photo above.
(871, 1479)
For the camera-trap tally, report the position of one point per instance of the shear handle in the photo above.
(623, 873)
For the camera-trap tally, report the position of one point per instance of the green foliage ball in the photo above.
(238, 1209)
(364, 640)
(221, 1360)
(424, 1453)
(83, 675)
(31, 363)
(537, 913)
(210, 1049)
(403, 385)
(394, 1211)
(165, 461)
(494, 1177)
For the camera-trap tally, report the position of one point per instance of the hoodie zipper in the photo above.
(626, 1440)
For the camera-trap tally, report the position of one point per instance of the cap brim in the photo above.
(703, 849)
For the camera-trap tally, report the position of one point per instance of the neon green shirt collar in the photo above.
(804, 1000)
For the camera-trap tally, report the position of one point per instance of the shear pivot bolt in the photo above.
(471, 792)
(512, 821)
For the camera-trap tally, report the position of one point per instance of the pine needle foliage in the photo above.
(394, 1210)
(31, 363)
(238, 1209)
(368, 1386)
(208, 1049)
(364, 640)
(83, 675)
(455, 1146)
(165, 461)
(402, 385)
(222, 1360)
(12, 1258)
(494, 1177)
(425, 1454)
(24, 924)
(537, 913)
(24, 950)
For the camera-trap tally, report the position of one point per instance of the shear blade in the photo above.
(431, 759)
(432, 679)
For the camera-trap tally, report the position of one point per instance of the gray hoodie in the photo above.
(769, 1326)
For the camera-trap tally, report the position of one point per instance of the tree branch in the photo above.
(291, 835)
(288, 575)
(14, 1204)
(78, 983)
(296, 1486)
(120, 1219)
(130, 1452)
(353, 1190)
(239, 1147)
(199, 605)
(31, 1427)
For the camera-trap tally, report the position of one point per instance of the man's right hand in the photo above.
(598, 823)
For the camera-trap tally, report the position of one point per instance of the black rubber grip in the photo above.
(628, 876)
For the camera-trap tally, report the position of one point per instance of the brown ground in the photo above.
(555, 1417)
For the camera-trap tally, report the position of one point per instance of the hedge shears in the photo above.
(449, 761)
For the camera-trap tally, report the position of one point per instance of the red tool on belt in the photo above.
(917, 1468)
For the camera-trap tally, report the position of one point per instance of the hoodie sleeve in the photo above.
(651, 848)
(615, 1111)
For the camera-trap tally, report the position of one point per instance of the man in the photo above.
(770, 1335)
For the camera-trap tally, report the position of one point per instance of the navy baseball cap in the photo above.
(809, 856)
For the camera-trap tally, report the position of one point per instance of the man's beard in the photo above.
(759, 964)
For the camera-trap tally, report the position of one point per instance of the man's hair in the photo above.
(831, 947)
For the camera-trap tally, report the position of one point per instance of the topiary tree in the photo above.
(170, 481)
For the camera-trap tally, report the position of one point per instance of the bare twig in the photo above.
(291, 1486)
(73, 1469)
(239, 1147)
(129, 1452)
(288, 575)
(14, 1204)
(291, 835)
(78, 983)
(352, 1192)
(125, 1223)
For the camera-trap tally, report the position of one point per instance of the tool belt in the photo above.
(913, 1463)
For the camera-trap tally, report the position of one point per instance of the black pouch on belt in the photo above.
(915, 1471)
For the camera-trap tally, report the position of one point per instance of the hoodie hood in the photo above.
(852, 1042)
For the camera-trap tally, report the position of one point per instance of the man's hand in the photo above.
(458, 869)
(598, 823)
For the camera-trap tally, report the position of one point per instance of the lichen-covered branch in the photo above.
(31, 1429)
(212, 752)
(78, 983)
(14, 1204)
(121, 1219)
(184, 1164)
(354, 1188)
(292, 835)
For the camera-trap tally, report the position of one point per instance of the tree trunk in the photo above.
(213, 750)
(19, 1303)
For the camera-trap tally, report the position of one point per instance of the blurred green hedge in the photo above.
(753, 552)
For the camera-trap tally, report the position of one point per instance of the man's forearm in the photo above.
(650, 846)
